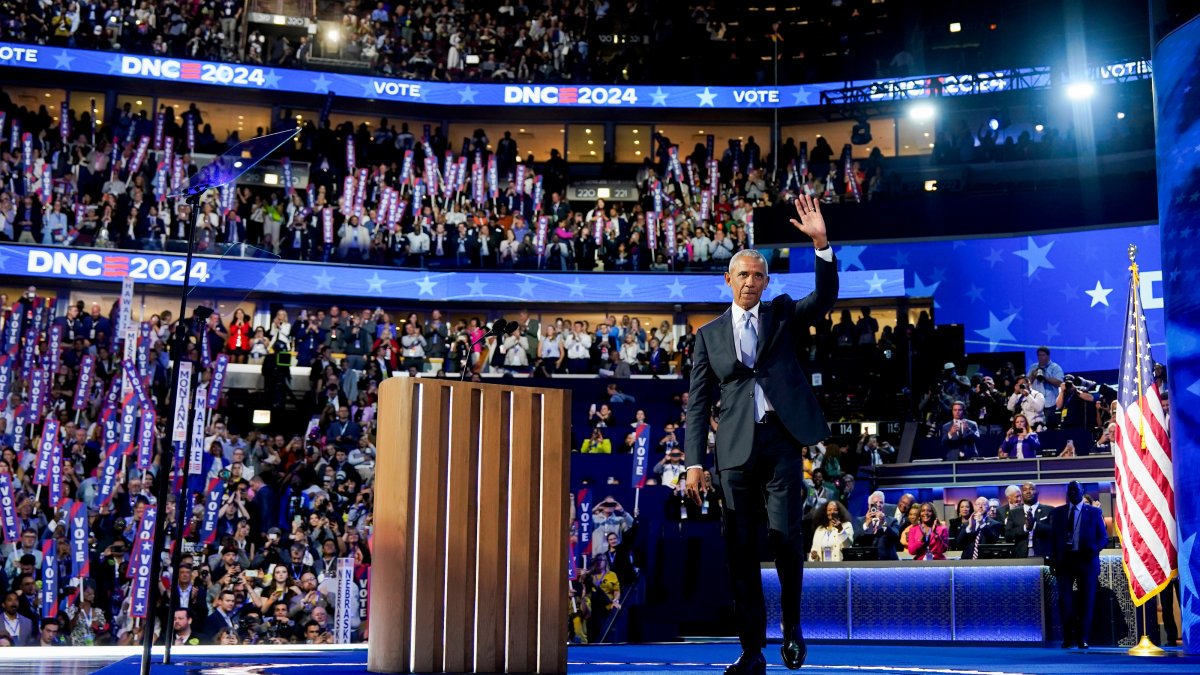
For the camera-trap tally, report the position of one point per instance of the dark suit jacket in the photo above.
(718, 374)
(885, 540)
(1093, 536)
(990, 533)
(1014, 531)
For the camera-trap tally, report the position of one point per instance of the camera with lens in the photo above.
(1039, 375)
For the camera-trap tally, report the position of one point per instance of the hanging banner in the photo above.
(8, 510)
(287, 176)
(212, 508)
(143, 556)
(45, 449)
(183, 394)
(77, 515)
(56, 483)
(49, 590)
(147, 434)
(345, 600)
(217, 381)
(109, 469)
(542, 227)
(641, 455)
(583, 512)
(196, 453)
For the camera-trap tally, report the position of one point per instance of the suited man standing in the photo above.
(1028, 525)
(747, 359)
(978, 530)
(878, 529)
(959, 434)
(1078, 535)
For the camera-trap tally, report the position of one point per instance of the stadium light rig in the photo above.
(922, 111)
(1079, 91)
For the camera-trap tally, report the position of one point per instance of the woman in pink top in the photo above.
(928, 539)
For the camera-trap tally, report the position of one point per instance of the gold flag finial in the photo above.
(1133, 253)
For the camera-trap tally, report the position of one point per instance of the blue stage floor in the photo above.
(678, 659)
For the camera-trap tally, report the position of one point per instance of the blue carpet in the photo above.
(680, 659)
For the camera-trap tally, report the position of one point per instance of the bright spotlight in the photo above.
(956, 27)
(994, 124)
(333, 36)
(1039, 128)
(922, 111)
(1120, 115)
(1080, 91)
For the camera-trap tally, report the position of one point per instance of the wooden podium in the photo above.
(468, 570)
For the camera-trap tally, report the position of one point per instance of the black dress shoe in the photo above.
(749, 663)
(793, 650)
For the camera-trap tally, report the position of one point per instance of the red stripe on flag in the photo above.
(1132, 542)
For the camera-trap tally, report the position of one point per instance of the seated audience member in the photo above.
(1020, 441)
(929, 538)
(597, 443)
(910, 521)
(833, 530)
(1028, 526)
(963, 514)
(878, 529)
(978, 530)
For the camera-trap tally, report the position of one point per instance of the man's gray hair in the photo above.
(751, 254)
(1012, 490)
(877, 493)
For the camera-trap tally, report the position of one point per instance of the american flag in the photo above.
(1145, 489)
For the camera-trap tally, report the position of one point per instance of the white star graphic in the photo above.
(626, 288)
(660, 98)
(271, 278)
(1089, 346)
(997, 330)
(321, 84)
(724, 291)
(994, 257)
(323, 280)
(1035, 256)
(801, 96)
(526, 287)
(426, 286)
(62, 60)
(706, 98)
(218, 273)
(476, 286)
(1051, 331)
(1099, 295)
(467, 94)
(676, 289)
(922, 290)
(271, 80)
(577, 288)
(875, 284)
(375, 283)
(975, 294)
(114, 65)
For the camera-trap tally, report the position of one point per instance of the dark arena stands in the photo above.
(589, 169)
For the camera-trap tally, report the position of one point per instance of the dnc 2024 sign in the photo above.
(100, 265)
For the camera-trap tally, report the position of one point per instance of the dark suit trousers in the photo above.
(771, 484)
(1076, 606)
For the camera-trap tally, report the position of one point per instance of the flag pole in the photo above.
(1144, 647)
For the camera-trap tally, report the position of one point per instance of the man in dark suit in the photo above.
(978, 530)
(1078, 535)
(746, 358)
(959, 434)
(1028, 525)
(878, 529)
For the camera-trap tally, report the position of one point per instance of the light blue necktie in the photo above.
(749, 341)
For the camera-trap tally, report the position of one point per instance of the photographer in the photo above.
(1072, 403)
(315, 634)
(1020, 442)
(278, 629)
(1046, 377)
(670, 468)
(873, 452)
(608, 516)
(987, 403)
(1027, 401)
(879, 530)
